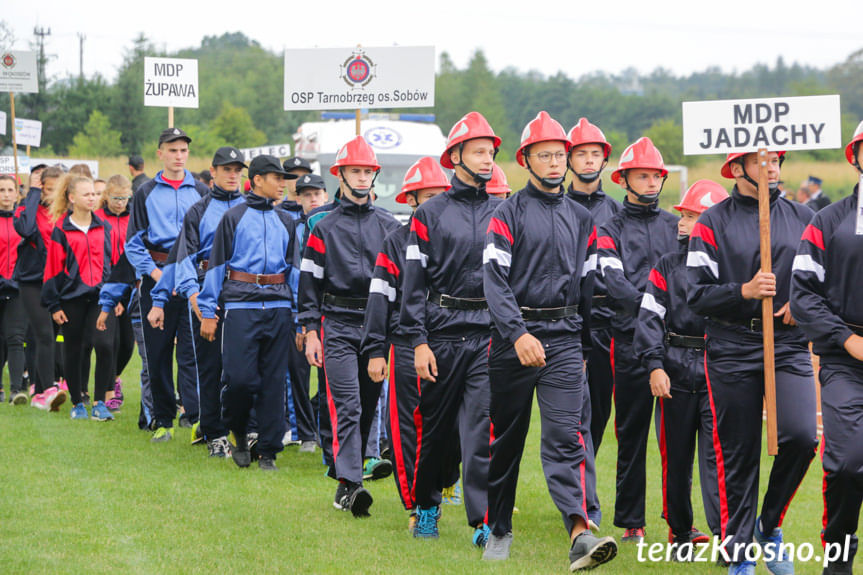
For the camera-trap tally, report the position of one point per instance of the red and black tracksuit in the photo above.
(33, 223)
(548, 297)
(78, 264)
(723, 254)
(825, 301)
(13, 322)
(444, 306)
(669, 336)
(335, 273)
(629, 245)
(600, 379)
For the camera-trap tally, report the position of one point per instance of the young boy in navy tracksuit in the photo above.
(669, 339)
(247, 277)
(825, 301)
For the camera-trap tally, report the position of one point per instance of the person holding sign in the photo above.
(727, 286)
(825, 300)
(537, 341)
(335, 275)
(158, 208)
(629, 245)
(445, 317)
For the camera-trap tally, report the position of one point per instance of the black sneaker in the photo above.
(252, 440)
(589, 551)
(219, 447)
(359, 501)
(682, 548)
(342, 500)
(240, 453)
(267, 463)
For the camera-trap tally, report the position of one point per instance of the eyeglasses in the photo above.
(545, 157)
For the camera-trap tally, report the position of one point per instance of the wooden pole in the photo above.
(170, 116)
(767, 305)
(14, 137)
(357, 117)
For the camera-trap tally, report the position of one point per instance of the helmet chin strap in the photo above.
(358, 192)
(480, 179)
(645, 199)
(588, 177)
(772, 186)
(550, 183)
(856, 150)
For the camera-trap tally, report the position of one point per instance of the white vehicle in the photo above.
(397, 143)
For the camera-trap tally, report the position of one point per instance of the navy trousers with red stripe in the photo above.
(735, 379)
(454, 412)
(600, 378)
(403, 399)
(351, 395)
(559, 387)
(842, 454)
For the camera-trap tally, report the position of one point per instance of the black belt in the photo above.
(754, 324)
(858, 329)
(463, 303)
(540, 313)
(357, 303)
(678, 340)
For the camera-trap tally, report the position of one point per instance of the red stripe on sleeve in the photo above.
(386, 263)
(317, 244)
(815, 236)
(657, 280)
(592, 237)
(705, 233)
(605, 242)
(500, 228)
(420, 229)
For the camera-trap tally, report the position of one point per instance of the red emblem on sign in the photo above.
(8, 60)
(358, 70)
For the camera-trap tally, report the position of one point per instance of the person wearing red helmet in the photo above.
(497, 185)
(381, 334)
(629, 244)
(444, 317)
(669, 339)
(726, 286)
(825, 301)
(537, 340)
(335, 275)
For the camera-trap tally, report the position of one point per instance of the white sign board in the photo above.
(2, 123)
(28, 132)
(18, 72)
(355, 78)
(67, 163)
(7, 164)
(171, 82)
(794, 123)
(277, 150)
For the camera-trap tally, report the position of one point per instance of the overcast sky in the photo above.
(573, 36)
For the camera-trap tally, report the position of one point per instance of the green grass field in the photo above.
(91, 497)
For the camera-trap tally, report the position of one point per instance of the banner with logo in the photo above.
(18, 72)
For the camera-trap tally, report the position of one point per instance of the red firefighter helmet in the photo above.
(472, 125)
(731, 158)
(425, 173)
(586, 133)
(543, 128)
(497, 185)
(641, 154)
(356, 152)
(849, 149)
(701, 195)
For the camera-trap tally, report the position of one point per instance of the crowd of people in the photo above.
(478, 302)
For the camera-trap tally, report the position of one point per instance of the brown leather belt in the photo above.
(159, 257)
(257, 279)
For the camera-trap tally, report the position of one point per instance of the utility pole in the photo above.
(81, 38)
(41, 32)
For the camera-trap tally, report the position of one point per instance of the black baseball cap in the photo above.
(310, 181)
(297, 163)
(264, 164)
(228, 155)
(172, 135)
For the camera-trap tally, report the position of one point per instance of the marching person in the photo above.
(497, 185)
(825, 301)
(727, 286)
(537, 338)
(158, 208)
(12, 318)
(445, 319)
(629, 245)
(335, 275)
(669, 340)
(382, 336)
(299, 167)
(183, 274)
(249, 263)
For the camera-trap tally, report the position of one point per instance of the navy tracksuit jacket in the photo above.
(629, 245)
(825, 300)
(444, 256)
(723, 254)
(665, 315)
(540, 254)
(338, 261)
(254, 238)
(156, 221)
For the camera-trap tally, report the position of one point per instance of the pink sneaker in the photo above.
(63, 385)
(118, 390)
(32, 389)
(114, 404)
(38, 401)
(54, 398)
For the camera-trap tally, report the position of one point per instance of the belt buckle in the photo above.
(258, 279)
(752, 324)
(444, 301)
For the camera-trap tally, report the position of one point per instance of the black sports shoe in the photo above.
(359, 501)
(252, 439)
(184, 421)
(267, 463)
(241, 454)
(342, 500)
(588, 551)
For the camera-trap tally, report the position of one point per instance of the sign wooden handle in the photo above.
(767, 305)
(14, 138)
